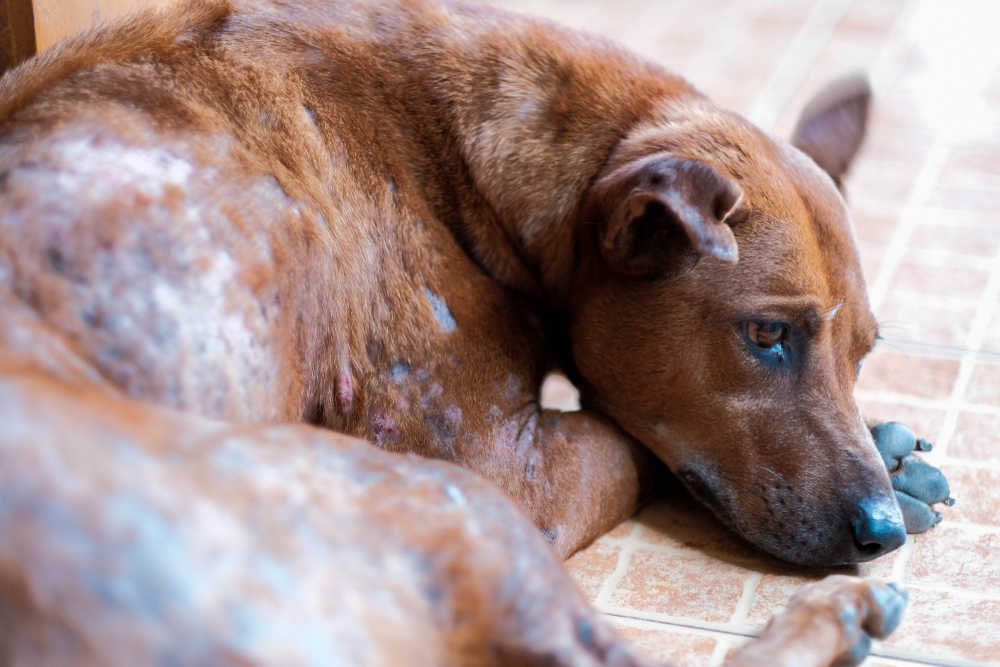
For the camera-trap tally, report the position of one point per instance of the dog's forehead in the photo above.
(796, 239)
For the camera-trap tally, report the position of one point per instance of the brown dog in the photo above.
(392, 221)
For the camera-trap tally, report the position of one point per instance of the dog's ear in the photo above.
(656, 208)
(832, 125)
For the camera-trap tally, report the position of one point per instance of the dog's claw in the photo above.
(918, 484)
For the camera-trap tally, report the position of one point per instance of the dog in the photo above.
(238, 236)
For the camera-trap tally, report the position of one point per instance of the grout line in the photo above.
(898, 571)
(628, 546)
(952, 592)
(730, 33)
(919, 194)
(922, 658)
(977, 333)
(742, 610)
(921, 402)
(800, 54)
(682, 621)
(936, 300)
(897, 33)
(938, 349)
(938, 258)
(722, 645)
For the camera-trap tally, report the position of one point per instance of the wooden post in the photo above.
(30, 26)
(17, 32)
(57, 19)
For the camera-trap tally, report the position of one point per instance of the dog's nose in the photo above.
(878, 527)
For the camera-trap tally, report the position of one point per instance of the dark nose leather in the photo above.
(878, 527)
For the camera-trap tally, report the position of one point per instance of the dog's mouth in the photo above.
(789, 535)
(698, 486)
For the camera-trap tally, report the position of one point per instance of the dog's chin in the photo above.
(796, 540)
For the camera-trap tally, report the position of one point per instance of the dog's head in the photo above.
(720, 316)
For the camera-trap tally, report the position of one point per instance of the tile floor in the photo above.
(925, 195)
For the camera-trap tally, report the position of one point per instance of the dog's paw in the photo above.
(918, 484)
(860, 610)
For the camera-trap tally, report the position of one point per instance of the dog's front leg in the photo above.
(831, 622)
(576, 474)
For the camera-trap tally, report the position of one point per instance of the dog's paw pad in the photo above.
(918, 484)
(886, 604)
(890, 602)
(918, 516)
(921, 480)
(857, 653)
(895, 441)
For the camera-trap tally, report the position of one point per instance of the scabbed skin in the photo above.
(132, 535)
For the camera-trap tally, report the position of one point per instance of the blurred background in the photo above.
(924, 195)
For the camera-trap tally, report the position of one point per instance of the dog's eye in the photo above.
(766, 334)
(769, 341)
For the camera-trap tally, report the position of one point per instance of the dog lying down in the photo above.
(262, 262)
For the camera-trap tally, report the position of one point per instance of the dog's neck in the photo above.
(518, 134)
(533, 150)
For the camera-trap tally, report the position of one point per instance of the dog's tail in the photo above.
(138, 34)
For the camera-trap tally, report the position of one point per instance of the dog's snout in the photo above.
(878, 527)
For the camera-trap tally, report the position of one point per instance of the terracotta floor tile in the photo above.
(926, 423)
(590, 567)
(665, 643)
(991, 341)
(683, 523)
(775, 589)
(977, 438)
(689, 585)
(984, 386)
(880, 184)
(981, 156)
(900, 372)
(871, 259)
(956, 556)
(977, 494)
(942, 625)
(880, 568)
(965, 197)
(970, 239)
(773, 593)
(916, 274)
(895, 142)
(873, 221)
(623, 530)
(905, 317)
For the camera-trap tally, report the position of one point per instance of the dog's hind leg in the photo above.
(133, 534)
